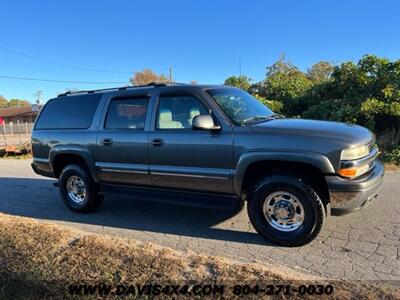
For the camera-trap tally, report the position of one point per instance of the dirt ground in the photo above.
(41, 259)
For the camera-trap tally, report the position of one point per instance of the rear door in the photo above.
(184, 158)
(122, 140)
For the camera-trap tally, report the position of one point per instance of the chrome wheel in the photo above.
(283, 211)
(76, 189)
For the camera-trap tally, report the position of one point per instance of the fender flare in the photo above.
(314, 159)
(79, 151)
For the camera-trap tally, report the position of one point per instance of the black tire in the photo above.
(314, 210)
(91, 201)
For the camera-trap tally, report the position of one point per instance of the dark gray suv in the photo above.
(206, 145)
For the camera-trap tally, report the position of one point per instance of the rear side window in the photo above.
(127, 113)
(72, 112)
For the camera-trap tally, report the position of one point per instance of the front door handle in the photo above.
(157, 142)
(106, 141)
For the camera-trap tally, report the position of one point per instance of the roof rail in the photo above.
(122, 88)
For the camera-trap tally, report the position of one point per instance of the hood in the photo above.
(349, 133)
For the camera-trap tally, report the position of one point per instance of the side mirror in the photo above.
(204, 122)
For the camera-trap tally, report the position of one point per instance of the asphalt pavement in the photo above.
(363, 246)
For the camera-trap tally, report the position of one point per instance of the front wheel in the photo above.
(286, 211)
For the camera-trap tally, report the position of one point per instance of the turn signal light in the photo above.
(354, 171)
(348, 172)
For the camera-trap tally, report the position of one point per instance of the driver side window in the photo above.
(177, 112)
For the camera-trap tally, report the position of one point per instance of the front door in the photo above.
(123, 142)
(183, 158)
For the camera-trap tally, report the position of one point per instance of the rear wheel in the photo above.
(286, 211)
(77, 189)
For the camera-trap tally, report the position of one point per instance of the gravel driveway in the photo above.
(364, 245)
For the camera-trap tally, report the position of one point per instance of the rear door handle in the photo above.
(157, 142)
(106, 141)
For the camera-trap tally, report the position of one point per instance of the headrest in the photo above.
(165, 115)
(194, 112)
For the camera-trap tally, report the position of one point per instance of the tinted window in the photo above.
(71, 112)
(177, 112)
(127, 113)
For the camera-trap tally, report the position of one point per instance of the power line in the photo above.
(63, 81)
(62, 64)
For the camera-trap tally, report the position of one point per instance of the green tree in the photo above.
(284, 82)
(367, 93)
(3, 102)
(276, 106)
(320, 72)
(241, 82)
(18, 103)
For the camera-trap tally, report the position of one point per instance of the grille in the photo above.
(372, 145)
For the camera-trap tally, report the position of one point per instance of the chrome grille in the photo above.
(372, 145)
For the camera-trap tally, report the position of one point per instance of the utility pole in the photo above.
(170, 74)
(38, 94)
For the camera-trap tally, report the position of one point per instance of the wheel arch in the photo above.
(253, 166)
(61, 156)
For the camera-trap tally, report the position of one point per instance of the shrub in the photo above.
(392, 156)
(276, 106)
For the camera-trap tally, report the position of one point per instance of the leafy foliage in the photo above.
(147, 76)
(18, 103)
(13, 102)
(276, 106)
(3, 102)
(392, 156)
(365, 93)
(320, 72)
(241, 82)
(285, 83)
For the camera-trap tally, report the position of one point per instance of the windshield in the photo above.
(241, 107)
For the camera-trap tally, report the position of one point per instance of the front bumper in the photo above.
(350, 195)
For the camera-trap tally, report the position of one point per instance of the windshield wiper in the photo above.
(259, 118)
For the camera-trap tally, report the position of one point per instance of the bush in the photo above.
(275, 106)
(392, 156)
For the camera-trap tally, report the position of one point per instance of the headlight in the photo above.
(354, 153)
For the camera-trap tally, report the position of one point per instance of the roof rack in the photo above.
(122, 88)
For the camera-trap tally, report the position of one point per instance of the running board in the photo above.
(189, 198)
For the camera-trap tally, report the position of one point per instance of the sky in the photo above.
(107, 41)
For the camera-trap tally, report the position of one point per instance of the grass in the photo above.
(17, 156)
(39, 260)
